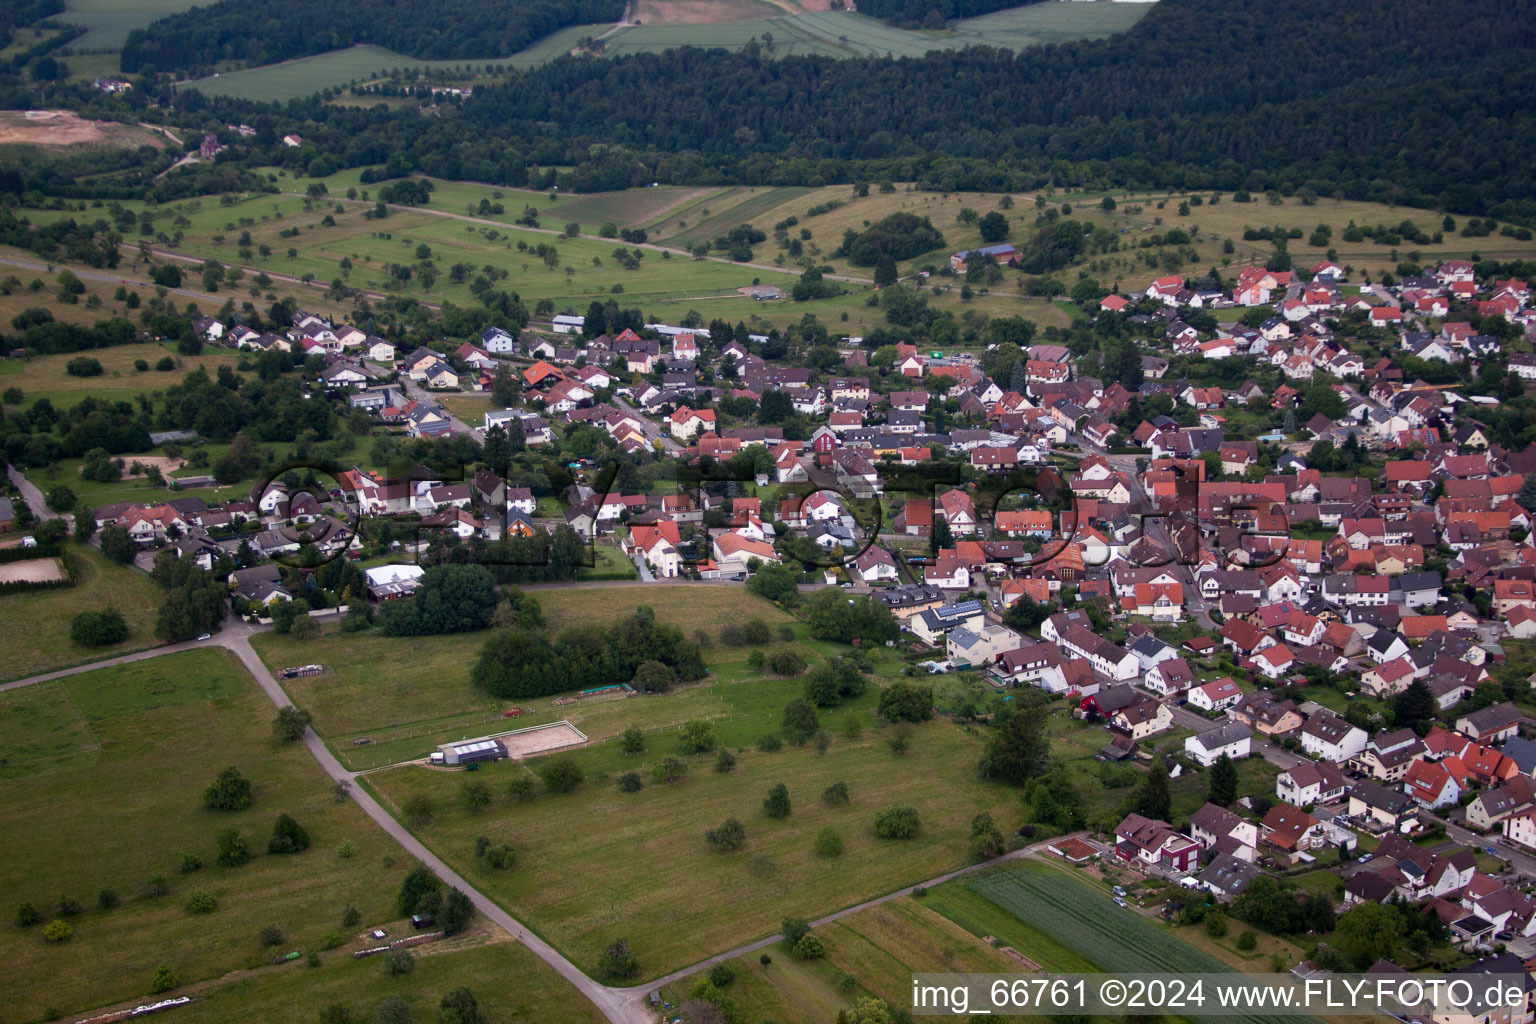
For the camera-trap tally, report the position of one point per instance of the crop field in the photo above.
(135, 746)
(1085, 921)
(881, 947)
(732, 208)
(581, 888)
(305, 76)
(110, 21)
(36, 625)
(509, 982)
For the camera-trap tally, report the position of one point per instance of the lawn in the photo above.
(509, 982)
(648, 862)
(137, 744)
(407, 695)
(881, 948)
(36, 625)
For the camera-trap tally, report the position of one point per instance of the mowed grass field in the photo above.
(509, 983)
(36, 625)
(641, 858)
(47, 374)
(406, 695)
(881, 947)
(127, 811)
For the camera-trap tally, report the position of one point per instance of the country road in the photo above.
(626, 1005)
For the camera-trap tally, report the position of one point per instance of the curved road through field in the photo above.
(618, 1005)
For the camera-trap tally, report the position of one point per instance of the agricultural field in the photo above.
(305, 76)
(36, 625)
(110, 21)
(880, 948)
(110, 795)
(481, 960)
(783, 28)
(578, 887)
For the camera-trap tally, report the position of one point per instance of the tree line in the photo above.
(265, 31)
(1194, 97)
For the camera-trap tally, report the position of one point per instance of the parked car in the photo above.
(1365, 857)
(1118, 891)
(205, 636)
(1120, 902)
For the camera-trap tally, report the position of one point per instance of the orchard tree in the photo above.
(291, 722)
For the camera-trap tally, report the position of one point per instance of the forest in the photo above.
(929, 13)
(265, 31)
(1370, 101)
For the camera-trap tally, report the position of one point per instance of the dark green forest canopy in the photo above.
(264, 31)
(1372, 100)
(929, 13)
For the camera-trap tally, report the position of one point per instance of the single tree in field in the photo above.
(776, 803)
(290, 723)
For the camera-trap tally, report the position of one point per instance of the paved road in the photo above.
(31, 494)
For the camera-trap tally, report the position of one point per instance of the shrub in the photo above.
(770, 744)
(698, 737)
(58, 931)
(351, 917)
(829, 842)
(418, 810)
(669, 769)
(346, 849)
(163, 981)
(776, 803)
(201, 902)
(190, 862)
(786, 661)
(288, 836)
(618, 962)
(724, 761)
(98, 629)
(290, 723)
(730, 836)
(1216, 925)
(108, 898)
(271, 935)
(399, 963)
(69, 907)
(809, 948)
(835, 795)
(232, 849)
(83, 366)
(630, 782)
(560, 774)
(501, 856)
(231, 791)
(794, 929)
(520, 789)
(27, 915)
(1247, 942)
(721, 975)
(155, 887)
(898, 822)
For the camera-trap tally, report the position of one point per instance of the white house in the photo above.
(1306, 784)
(1232, 739)
(1328, 737)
